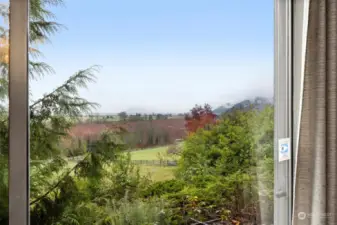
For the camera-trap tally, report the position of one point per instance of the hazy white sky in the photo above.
(164, 55)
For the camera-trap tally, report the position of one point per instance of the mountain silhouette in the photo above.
(257, 103)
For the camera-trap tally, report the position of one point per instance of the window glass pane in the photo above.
(151, 112)
(4, 51)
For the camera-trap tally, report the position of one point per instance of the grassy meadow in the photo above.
(149, 153)
(155, 172)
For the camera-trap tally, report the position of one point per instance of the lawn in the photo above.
(148, 154)
(157, 173)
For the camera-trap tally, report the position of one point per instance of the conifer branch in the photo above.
(59, 182)
(65, 98)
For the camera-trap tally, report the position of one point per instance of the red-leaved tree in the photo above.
(199, 117)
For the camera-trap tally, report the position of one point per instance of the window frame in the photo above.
(18, 169)
(283, 102)
(19, 111)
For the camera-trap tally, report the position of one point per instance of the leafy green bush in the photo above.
(123, 179)
(163, 187)
(228, 167)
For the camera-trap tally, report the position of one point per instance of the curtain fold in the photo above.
(315, 193)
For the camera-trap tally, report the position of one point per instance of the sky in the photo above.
(163, 56)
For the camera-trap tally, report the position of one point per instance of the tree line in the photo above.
(125, 117)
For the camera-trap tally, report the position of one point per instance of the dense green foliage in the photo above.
(225, 171)
(231, 165)
(163, 187)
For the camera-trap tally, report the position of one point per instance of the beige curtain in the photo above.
(315, 199)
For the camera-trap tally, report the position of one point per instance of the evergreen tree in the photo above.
(55, 195)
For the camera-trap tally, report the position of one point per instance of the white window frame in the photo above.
(283, 121)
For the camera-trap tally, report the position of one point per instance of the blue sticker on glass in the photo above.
(284, 149)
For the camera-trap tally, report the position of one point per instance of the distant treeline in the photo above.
(138, 134)
(123, 116)
(144, 134)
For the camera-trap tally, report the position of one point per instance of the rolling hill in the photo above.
(257, 103)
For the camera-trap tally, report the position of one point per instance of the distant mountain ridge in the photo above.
(257, 103)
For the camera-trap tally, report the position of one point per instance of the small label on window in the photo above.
(284, 149)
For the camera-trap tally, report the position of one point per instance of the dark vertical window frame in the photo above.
(18, 114)
(283, 98)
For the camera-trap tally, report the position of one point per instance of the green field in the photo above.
(148, 154)
(156, 173)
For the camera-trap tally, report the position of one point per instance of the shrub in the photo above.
(224, 165)
(123, 179)
(163, 187)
